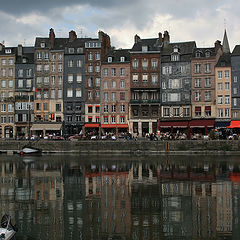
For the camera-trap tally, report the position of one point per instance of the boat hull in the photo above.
(30, 150)
(9, 234)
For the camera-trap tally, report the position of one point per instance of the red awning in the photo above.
(182, 124)
(91, 125)
(234, 124)
(114, 125)
(201, 123)
(208, 108)
(235, 177)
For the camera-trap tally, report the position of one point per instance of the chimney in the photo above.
(166, 38)
(217, 45)
(72, 36)
(51, 37)
(20, 50)
(136, 38)
(160, 38)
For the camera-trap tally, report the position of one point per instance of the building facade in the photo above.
(115, 89)
(145, 64)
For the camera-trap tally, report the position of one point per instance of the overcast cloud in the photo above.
(202, 21)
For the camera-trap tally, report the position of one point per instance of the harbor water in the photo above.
(121, 197)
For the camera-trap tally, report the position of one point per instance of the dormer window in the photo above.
(198, 54)
(175, 50)
(24, 60)
(207, 54)
(144, 48)
(122, 59)
(71, 50)
(7, 51)
(109, 59)
(175, 57)
(43, 45)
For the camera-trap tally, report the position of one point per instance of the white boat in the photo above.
(7, 230)
(30, 150)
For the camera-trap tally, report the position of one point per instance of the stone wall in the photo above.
(127, 147)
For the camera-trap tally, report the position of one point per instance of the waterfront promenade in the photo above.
(139, 147)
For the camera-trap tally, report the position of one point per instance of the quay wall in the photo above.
(127, 147)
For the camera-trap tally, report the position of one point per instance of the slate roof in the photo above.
(151, 43)
(13, 51)
(203, 51)
(224, 60)
(236, 51)
(116, 55)
(185, 49)
(28, 53)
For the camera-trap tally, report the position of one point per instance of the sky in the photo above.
(186, 20)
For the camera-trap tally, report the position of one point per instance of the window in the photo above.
(60, 68)
(176, 112)
(70, 78)
(122, 108)
(20, 83)
(46, 55)
(154, 63)
(183, 69)
(90, 68)
(220, 113)
(113, 108)
(122, 59)
(113, 72)
(175, 57)
(164, 97)
(227, 86)
(207, 54)
(59, 93)
(105, 108)
(114, 84)
(60, 56)
(227, 112)
(4, 62)
(207, 96)
(122, 84)
(90, 56)
(227, 99)
(235, 79)
(234, 90)
(109, 59)
(113, 118)
(105, 72)
(220, 99)
(105, 95)
(70, 63)
(154, 79)
(122, 71)
(90, 109)
(10, 83)
(3, 107)
(166, 112)
(135, 78)
(197, 68)
(97, 69)
(46, 67)
(29, 72)
(198, 82)
(4, 72)
(219, 86)
(197, 96)
(46, 80)
(79, 63)
(208, 111)
(42, 44)
(145, 78)
(174, 97)
(135, 95)
(97, 56)
(145, 96)
(45, 106)
(122, 119)
(53, 57)
(58, 107)
(167, 70)
(197, 111)
(45, 94)
(122, 96)
(39, 55)
(234, 101)
(208, 82)
(113, 96)
(135, 64)
(38, 106)
(105, 85)
(97, 109)
(90, 82)
(105, 119)
(78, 92)
(20, 73)
(186, 112)
(4, 83)
(227, 73)
(174, 83)
(145, 64)
(220, 74)
(79, 78)
(207, 68)
(98, 82)
(69, 92)
(164, 85)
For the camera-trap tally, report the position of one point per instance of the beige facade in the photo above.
(7, 81)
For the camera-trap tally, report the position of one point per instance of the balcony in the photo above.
(139, 101)
(24, 97)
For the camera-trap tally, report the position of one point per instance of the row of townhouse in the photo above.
(83, 85)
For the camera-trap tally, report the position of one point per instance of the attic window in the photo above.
(122, 59)
(109, 59)
(207, 54)
(71, 50)
(175, 49)
(24, 60)
(144, 48)
(198, 54)
(7, 51)
(175, 57)
(42, 45)
(80, 50)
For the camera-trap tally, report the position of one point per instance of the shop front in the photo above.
(114, 129)
(91, 129)
(46, 129)
(201, 126)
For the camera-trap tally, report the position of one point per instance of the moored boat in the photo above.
(7, 229)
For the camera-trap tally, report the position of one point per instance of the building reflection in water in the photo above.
(71, 198)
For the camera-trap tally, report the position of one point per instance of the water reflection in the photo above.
(71, 197)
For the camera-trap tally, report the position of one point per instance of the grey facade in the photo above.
(24, 84)
(176, 78)
(235, 64)
(74, 80)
